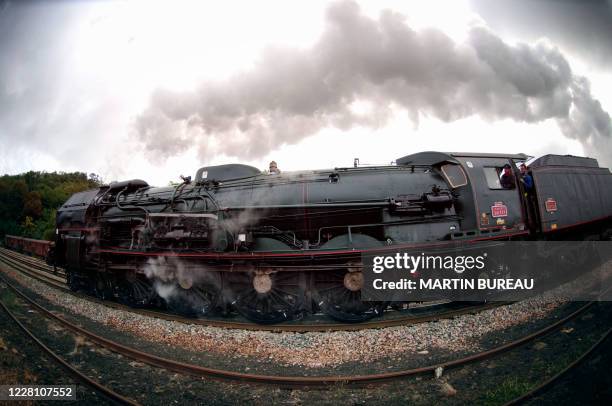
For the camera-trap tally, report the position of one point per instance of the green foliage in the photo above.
(29, 202)
(510, 388)
(32, 205)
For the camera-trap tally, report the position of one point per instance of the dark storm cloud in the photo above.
(44, 106)
(290, 94)
(583, 27)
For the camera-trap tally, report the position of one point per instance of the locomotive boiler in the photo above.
(274, 247)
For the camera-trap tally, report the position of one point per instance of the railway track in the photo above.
(288, 381)
(34, 262)
(37, 273)
(97, 386)
(556, 377)
(421, 314)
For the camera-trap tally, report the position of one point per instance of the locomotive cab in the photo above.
(485, 206)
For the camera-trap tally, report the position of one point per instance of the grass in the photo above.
(510, 388)
(539, 370)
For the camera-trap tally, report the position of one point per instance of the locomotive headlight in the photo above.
(452, 228)
(242, 237)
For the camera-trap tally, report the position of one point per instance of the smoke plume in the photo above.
(292, 93)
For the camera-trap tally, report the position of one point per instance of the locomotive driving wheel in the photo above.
(267, 297)
(339, 296)
(134, 291)
(196, 301)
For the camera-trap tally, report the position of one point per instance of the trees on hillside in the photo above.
(29, 201)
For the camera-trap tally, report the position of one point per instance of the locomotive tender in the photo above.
(277, 246)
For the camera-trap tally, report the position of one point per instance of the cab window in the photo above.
(493, 176)
(454, 175)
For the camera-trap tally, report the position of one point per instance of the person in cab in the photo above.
(526, 179)
(273, 168)
(507, 179)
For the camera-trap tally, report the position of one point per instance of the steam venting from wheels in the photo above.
(384, 64)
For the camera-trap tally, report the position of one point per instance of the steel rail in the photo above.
(289, 381)
(23, 261)
(34, 270)
(106, 391)
(538, 389)
(26, 259)
(38, 275)
(34, 261)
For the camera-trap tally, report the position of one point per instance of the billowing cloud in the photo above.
(584, 27)
(47, 106)
(290, 94)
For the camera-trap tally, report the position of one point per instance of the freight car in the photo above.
(277, 246)
(39, 248)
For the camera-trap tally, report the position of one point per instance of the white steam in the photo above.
(169, 273)
(291, 93)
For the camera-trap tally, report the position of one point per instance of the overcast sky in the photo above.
(153, 90)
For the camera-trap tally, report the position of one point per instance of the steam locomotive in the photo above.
(274, 247)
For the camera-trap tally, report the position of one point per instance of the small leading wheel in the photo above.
(102, 287)
(196, 301)
(339, 296)
(268, 297)
(72, 280)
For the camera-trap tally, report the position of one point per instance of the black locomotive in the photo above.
(276, 246)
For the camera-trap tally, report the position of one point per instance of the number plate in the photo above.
(499, 210)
